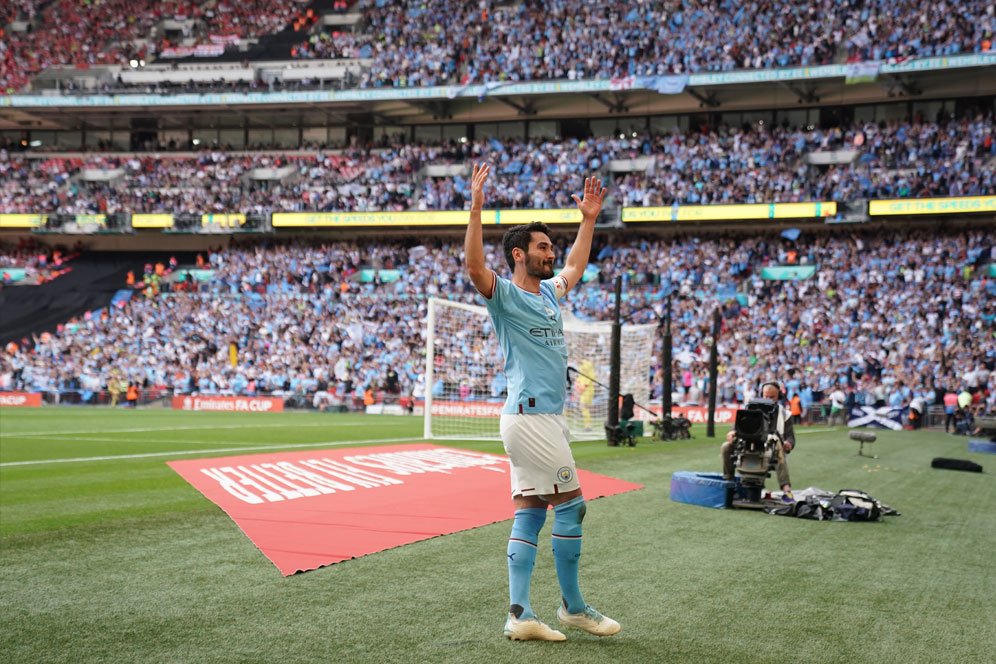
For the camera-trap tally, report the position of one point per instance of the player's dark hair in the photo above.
(518, 237)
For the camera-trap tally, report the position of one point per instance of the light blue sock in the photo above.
(567, 519)
(521, 558)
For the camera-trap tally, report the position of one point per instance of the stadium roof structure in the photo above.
(799, 87)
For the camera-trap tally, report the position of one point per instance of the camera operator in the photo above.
(786, 434)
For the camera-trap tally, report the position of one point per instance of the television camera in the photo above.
(755, 449)
(669, 427)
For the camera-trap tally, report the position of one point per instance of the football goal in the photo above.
(465, 385)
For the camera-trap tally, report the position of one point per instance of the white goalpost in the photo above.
(464, 379)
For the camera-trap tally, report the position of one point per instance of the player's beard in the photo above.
(538, 268)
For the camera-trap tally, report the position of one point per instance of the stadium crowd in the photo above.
(114, 32)
(911, 313)
(751, 164)
(421, 44)
(886, 318)
(67, 32)
(450, 42)
(224, 24)
(18, 10)
(33, 185)
(40, 263)
(731, 165)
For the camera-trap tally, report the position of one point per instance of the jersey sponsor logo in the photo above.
(550, 336)
(546, 332)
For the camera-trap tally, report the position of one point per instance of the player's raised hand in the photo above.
(594, 196)
(477, 185)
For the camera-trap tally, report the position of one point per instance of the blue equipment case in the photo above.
(980, 445)
(705, 489)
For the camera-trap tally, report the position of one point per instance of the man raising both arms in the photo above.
(526, 316)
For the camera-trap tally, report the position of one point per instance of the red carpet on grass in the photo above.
(305, 510)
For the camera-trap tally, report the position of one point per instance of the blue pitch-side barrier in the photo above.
(980, 445)
(704, 489)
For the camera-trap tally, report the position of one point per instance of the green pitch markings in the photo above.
(121, 560)
(219, 450)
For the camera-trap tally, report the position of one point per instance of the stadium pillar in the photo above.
(713, 371)
(615, 361)
(941, 319)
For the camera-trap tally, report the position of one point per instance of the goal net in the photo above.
(465, 386)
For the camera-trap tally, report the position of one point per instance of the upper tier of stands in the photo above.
(751, 164)
(418, 44)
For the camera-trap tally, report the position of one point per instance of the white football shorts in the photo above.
(538, 446)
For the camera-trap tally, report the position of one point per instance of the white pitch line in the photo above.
(815, 430)
(210, 451)
(197, 428)
(90, 439)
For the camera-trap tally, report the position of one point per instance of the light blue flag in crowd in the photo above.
(673, 84)
(861, 72)
(482, 89)
(488, 88)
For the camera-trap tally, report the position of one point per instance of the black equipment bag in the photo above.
(956, 464)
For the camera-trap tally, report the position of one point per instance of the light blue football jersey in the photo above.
(530, 331)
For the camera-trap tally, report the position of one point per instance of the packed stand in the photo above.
(18, 10)
(332, 45)
(113, 32)
(918, 160)
(29, 262)
(34, 185)
(886, 320)
(223, 182)
(765, 164)
(817, 334)
(418, 44)
(755, 164)
(450, 42)
(225, 23)
(69, 32)
(265, 300)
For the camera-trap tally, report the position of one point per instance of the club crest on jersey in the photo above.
(550, 313)
(565, 474)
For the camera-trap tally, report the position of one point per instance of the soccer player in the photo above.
(585, 387)
(526, 316)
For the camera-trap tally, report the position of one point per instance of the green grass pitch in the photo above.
(109, 556)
